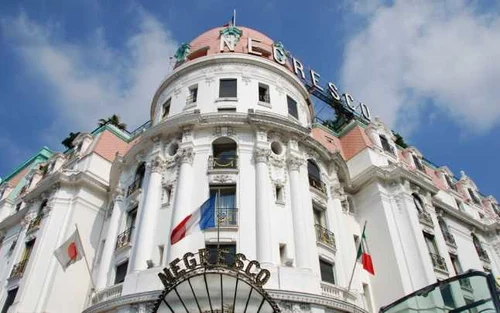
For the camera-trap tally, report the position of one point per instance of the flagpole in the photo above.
(85, 257)
(234, 17)
(356, 259)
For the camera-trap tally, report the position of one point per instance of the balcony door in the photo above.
(225, 204)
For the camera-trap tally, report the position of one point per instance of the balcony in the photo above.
(334, 291)
(425, 218)
(107, 294)
(465, 284)
(449, 239)
(134, 186)
(438, 262)
(226, 217)
(317, 184)
(325, 236)
(124, 238)
(18, 269)
(225, 162)
(483, 256)
(35, 223)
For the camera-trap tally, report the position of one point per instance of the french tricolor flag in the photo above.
(202, 218)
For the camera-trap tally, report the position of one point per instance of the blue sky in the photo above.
(429, 70)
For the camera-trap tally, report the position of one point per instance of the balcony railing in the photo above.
(191, 99)
(425, 218)
(317, 184)
(124, 238)
(107, 294)
(438, 262)
(483, 255)
(18, 269)
(35, 223)
(226, 217)
(333, 291)
(223, 162)
(325, 236)
(134, 186)
(465, 284)
(449, 238)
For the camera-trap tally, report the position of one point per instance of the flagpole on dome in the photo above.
(85, 257)
(356, 259)
(234, 17)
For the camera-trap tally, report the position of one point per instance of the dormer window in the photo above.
(473, 196)
(418, 163)
(386, 145)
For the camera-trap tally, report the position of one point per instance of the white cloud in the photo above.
(87, 79)
(413, 51)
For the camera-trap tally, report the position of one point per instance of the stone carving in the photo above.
(186, 155)
(223, 179)
(262, 154)
(157, 165)
(48, 207)
(295, 162)
(118, 194)
(294, 307)
(209, 80)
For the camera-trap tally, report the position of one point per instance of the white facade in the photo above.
(292, 201)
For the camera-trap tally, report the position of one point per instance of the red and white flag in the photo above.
(70, 251)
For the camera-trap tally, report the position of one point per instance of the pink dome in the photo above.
(209, 43)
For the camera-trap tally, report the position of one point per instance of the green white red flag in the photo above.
(364, 254)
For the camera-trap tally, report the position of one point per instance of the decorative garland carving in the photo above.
(186, 155)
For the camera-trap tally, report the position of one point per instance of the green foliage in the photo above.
(68, 141)
(400, 140)
(113, 120)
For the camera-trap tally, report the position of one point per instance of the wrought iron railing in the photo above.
(465, 284)
(438, 262)
(18, 269)
(35, 223)
(107, 294)
(226, 217)
(223, 162)
(325, 236)
(317, 184)
(425, 218)
(134, 186)
(483, 255)
(449, 238)
(124, 238)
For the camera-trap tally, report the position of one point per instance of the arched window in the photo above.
(224, 151)
(418, 203)
(42, 207)
(314, 175)
(477, 244)
(442, 224)
(138, 178)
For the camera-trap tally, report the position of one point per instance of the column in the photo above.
(182, 202)
(301, 225)
(109, 245)
(263, 218)
(146, 225)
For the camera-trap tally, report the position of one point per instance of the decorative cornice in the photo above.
(156, 165)
(143, 297)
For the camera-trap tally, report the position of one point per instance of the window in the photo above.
(456, 264)
(283, 257)
(418, 163)
(418, 203)
(228, 256)
(131, 217)
(279, 194)
(314, 175)
(228, 88)
(225, 205)
(28, 249)
(292, 107)
(431, 244)
(460, 205)
(319, 217)
(473, 196)
(18, 206)
(386, 146)
(327, 270)
(447, 295)
(264, 93)
(166, 108)
(121, 272)
(224, 153)
(161, 250)
(193, 94)
(11, 296)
